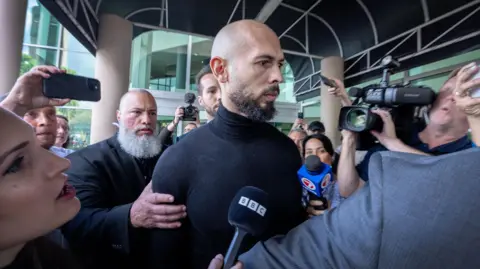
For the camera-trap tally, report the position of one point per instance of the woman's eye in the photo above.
(14, 167)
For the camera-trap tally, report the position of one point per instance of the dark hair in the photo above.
(327, 145)
(67, 142)
(204, 71)
(316, 126)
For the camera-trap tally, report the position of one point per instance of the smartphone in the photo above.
(66, 86)
(329, 82)
(475, 93)
(300, 115)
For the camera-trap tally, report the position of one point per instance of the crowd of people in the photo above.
(138, 200)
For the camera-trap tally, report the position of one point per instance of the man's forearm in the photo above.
(347, 176)
(20, 111)
(399, 146)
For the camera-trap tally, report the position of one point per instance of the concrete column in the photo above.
(12, 25)
(331, 67)
(112, 68)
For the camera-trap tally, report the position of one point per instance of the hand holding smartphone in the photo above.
(66, 86)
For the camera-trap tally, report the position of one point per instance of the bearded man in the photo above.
(237, 148)
(112, 182)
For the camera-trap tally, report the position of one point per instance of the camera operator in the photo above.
(445, 133)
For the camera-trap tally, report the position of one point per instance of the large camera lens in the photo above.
(357, 118)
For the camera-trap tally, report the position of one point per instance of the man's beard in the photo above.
(145, 146)
(251, 108)
(212, 110)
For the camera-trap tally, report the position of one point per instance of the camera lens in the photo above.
(357, 118)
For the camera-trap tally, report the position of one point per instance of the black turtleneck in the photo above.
(205, 170)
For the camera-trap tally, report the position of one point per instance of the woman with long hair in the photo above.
(35, 197)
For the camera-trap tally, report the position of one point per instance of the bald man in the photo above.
(112, 181)
(240, 149)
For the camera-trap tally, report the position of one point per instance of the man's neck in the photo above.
(7, 256)
(232, 108)
(435, 136)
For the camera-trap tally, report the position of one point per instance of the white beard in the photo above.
(145, 146)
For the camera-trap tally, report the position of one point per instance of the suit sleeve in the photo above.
(348, 236)
(171, 176)
(96, 223)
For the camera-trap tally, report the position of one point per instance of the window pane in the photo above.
(41, 28)
(69, 42)
(159, 59)
(201, 49)
(79, 122)
(32, 56)
(79, 63)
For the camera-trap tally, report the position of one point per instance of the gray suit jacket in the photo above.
(417, 212)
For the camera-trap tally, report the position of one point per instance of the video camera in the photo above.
(190, 111)
(403, 102)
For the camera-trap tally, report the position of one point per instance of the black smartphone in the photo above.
(329, 82)
(300, 115)
(66, 86)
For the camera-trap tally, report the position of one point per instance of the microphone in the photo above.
(247, 213)
(315, 177)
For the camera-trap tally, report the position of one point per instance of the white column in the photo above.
(112, 68)
(12, 25)
(331, 67)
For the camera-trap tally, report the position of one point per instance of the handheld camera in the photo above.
(403, 102)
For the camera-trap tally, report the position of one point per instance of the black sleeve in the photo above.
(168, 246)
(95, 224)
(165, 137)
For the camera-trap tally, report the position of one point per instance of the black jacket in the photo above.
(108, 181)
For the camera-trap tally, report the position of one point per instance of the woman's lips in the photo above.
(68, 192)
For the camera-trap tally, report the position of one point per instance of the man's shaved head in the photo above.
(236, 37)
(246, 60)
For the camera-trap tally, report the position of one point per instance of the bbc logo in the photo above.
(253, 205)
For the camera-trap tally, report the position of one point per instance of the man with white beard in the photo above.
(112, 181)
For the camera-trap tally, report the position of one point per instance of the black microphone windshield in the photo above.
(248, 210)
(313, 163)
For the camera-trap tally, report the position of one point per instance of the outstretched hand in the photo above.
(27, 93)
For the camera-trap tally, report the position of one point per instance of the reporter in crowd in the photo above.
(401, 219)
(321, 146)
(446, 132)
(112, 178)
(34, 196)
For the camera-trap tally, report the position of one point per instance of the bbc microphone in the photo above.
(248, 214)
(315, 177)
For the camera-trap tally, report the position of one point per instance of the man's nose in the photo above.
(42, 119)
(276, 75)
(146, 119)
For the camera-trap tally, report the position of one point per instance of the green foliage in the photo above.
(28, 62)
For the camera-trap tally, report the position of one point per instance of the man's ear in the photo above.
(200, 101)
(118, 115)
(219, 69)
